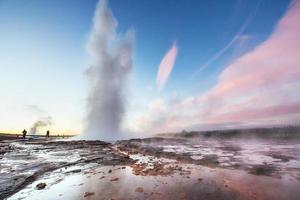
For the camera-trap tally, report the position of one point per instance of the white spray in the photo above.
(111, 63)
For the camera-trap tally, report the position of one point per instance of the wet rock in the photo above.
(139, 189)
(73, 171)
(126, 156)
(41, 186)
(278, 155)
(266, 170)
(231, 148)
(66, 154)
(209, 160)
(110, 171)
(155, 170)
(87, 194)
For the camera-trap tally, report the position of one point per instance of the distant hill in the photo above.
(289, 132)
(10, 136)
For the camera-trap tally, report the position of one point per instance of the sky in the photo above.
(197, 65)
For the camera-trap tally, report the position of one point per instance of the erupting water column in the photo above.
(111, 63)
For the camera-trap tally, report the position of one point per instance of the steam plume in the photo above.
(111, 63)
(40, 123)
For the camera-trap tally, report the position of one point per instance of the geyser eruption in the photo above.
(111, 63)
(40, 123)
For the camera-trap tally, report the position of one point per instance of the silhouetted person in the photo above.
(24, 133)
(48, 133)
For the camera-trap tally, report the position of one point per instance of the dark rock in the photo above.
(74, 171)
(266, 170)
(139, 189)
(86, 194)
(114, 179)
(41, 186)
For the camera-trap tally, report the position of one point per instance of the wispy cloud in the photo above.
(236, 37)
(259, 88)
(166, 66)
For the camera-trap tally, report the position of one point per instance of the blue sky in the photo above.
(43, 51)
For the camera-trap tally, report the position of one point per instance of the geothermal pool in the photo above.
(280, 157)
(151, 168)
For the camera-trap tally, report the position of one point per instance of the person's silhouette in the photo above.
(48, 133)
(24, 133)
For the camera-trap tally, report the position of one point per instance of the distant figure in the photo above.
(24, 133)
(48, 133)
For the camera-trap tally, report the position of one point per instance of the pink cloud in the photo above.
(259, 113)
(261, 86)
(271, 64)
(165, 67)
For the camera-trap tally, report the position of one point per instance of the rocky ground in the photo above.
(24, 161)
(153, 168)
(259, 157)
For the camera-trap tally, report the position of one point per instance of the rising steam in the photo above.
(111, 63)
(40, 123)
